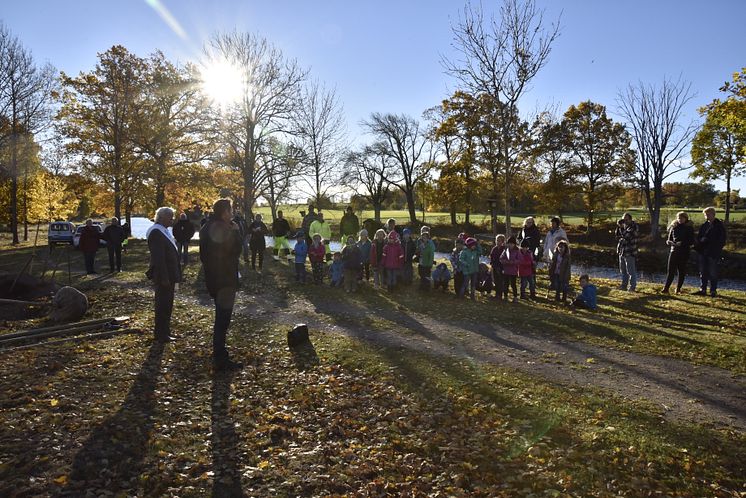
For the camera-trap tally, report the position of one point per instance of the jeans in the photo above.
(628, 269)
(317, 268)
(560, 287)
(677, 261)
(183, 250)
(350, 279)
(708, 272)
(223, 314)
(90, 259)
(530, 282)
(300, 272)
(470, 282)
(392, 274)
(424, 273)
(406, 273)
(501, 291)
(510, 281)
(115, 257)
(257, 250)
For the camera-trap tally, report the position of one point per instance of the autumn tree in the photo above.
(172, 127)
(600, 152)
(654, 117)
(406, 143)
(319, 127)
(284, 164)
(499, 57)
(98, 112)
(26, 93)
(550, 152)
(269, 89)
(719, 147)
(367, 172)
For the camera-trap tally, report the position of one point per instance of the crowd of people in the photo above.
(388, 259)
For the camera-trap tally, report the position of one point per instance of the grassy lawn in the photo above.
(353, 417)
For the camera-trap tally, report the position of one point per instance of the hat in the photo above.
(471, 241)
(406, 231)
(511, 240)
(425, 229)
(525, 243)
(393, 235)
(461, 236)
(299, 233)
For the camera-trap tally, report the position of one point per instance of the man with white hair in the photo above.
(164, 271)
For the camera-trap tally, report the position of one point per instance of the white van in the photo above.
(60, 232)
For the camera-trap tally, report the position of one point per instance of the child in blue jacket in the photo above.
(587, 298)
(301, 252)
(336, 270)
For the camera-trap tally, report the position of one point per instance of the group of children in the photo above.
(389, 258)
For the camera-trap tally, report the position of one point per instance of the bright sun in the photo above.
(222, 82)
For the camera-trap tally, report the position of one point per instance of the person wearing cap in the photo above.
(409, 247)
(349, 225)
(393, 259)
(317, 254)
(469, 259)
(509, 262)
(301, 252)
(323, 228)
(425, 258)
(455, 258)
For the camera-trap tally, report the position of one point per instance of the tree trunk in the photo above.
(454, 221)
(377, 212)
(25, 204)
(727, 196)
(467, 217)
(508, 227)
(411, 206)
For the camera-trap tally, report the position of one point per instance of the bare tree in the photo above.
(408, 146)
(26, 93)
(270, 86)
(320, 129)
(654, 116)
(283, 164)
(369, 169)
(500, 57)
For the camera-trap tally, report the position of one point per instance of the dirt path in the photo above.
(683, 391)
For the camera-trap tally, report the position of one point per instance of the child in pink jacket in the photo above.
(393, 258)
(526, 269)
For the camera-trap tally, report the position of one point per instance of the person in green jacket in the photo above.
(324, 229)
(469, 260)
(349, 225)
(426, 258)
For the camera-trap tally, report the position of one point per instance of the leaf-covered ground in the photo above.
(351, 416)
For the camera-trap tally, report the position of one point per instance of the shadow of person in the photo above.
(114, 452)
(225, 457)
(304, 355)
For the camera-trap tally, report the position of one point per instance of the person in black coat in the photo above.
(183, 232)
(530, 232)
(680, 240)
(219, 251)
(114, 235)
(257, 231)
(709, 244)
(164, 271)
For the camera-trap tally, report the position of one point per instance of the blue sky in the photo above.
(384, 56)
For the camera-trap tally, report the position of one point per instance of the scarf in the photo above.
(164, 231)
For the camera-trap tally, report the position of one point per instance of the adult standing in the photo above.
(307, 220)
(245, 234)
(257, 231)
(280, 230)
(88, 243)
(349, 225)
(530, 232)
(114, 235)
(627, 233)
(554, 235)
(164, 271)
(219, 251)
(680, 240)
(709, 244)
(323, 228)
(183, 232)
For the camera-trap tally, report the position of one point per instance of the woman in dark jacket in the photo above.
(530, 232)
(680, 240)
(219, 250)
(89, 240)
(257, 231)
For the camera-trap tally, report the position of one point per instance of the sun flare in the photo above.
(222, 82)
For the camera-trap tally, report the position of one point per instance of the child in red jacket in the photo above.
(317, 254)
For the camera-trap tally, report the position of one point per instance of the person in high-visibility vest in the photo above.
(324, 229)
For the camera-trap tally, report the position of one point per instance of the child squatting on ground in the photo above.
(587, 298)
